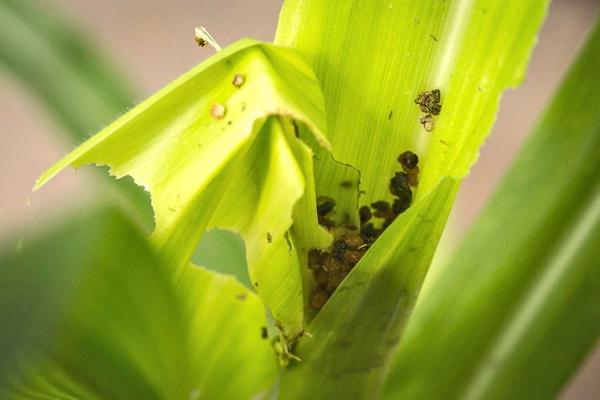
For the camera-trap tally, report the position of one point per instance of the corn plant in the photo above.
(336, 153)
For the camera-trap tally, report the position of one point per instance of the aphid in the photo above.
(353, 240)
(400, 184)
(365, 214)
(319, 298)
(320, 276)
(427, 122)
(346, 184)
(401, 204)
(263, 332)
(339, 246)
(408, 160)
(413, 178)
(369, 230)
(218, 111)
(315, 259)
(326, 222)
(331, 263)
(380, 205)
(352, 227)
(352, 256)
(325, 205)
(269, 237)
(334, 280)
(382, 209)
(238, 80)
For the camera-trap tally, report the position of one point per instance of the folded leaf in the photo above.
(518, 307)
(373, 59)
(111, 324)
(212, 151)
(354, 334)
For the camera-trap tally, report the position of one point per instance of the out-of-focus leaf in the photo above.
(110, 324)
(518, 307)
(231, 356)
(354, 334)
(214, 153)
(77, 86)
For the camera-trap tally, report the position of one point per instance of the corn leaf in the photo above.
(518, 307)
(373, 58)
(353, 335)
(215, 150)
(109, 322)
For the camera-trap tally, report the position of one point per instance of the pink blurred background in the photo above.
(153, 40)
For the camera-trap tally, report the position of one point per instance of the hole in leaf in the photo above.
(223, 251)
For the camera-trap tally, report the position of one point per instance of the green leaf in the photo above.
(354, 334)
(373, 58)
(214, 154)
(111, 324)
(518, 307)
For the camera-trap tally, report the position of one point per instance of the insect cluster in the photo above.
(329, 268)
(429, 103)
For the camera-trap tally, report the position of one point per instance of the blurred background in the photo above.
(150, 42)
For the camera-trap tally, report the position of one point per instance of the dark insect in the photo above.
(365, 214)
(352, 256)
(400, 184)
(339, 246)
(320, 276)
(325, 205)
(315, 259)
(263, 332)
(380, 205)
(318, 298)
(408, 160)
(332, 263)
(401, 204)
(269, 238)
(369, 230)
(346, 184)
(382, 209)
(200, 41)
(335, 279)
(353, 240)
(326, 222)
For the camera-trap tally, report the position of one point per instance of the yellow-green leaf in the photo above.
(212, 150)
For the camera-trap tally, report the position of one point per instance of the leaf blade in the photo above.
(195, 162)
(524, 313)
(120, 327)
